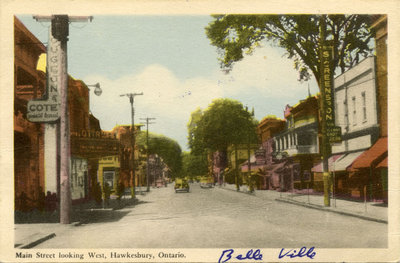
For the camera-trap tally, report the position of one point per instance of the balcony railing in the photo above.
(304, 149)
(300, 149)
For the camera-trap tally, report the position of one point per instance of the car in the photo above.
(181, 185)
(206, 182)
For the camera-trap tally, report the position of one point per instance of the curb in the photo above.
(37, 242)
(318, 207)
(247, 193)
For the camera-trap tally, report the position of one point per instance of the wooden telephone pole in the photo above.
(131, 97)
(147, 150)
(60, 32)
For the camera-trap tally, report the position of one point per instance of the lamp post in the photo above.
(131, 97)
(97, 89)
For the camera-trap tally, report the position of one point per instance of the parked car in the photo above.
(181, 185)
(206, 182)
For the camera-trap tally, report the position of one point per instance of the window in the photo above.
(364, 106)
(109, 178)
(354, 110)
(346, 115)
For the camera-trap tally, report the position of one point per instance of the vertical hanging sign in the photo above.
(327, 91)
(326, 86)
(47, 109)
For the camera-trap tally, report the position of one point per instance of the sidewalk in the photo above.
(34, 228)
(372, 211)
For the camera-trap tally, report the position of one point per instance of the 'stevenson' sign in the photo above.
(47, 109)
(332, 132)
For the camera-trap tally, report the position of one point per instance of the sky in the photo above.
(170, 59)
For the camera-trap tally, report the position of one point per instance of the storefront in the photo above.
(109, 172)
(337, 165)
(369, 172)
(93, 153)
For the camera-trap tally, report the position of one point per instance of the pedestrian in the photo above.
(107, 192)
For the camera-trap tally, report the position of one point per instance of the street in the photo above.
(218, 218)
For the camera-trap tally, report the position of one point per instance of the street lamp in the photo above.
(97, 89)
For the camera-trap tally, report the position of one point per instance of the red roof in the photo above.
(373, 155)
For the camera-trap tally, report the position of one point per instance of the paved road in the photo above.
(219, 218)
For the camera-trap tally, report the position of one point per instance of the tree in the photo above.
(196, 146)
(193, 165)
(236, 35)
(165, 147)
(225, 122)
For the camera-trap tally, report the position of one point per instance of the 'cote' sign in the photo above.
(47, 109)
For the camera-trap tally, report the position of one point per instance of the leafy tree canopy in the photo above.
(223, 123)
(194, 165)
(165, 147)
(195, 145)
(236, 35)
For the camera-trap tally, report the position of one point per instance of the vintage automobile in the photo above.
(206, 182)
(181, 185)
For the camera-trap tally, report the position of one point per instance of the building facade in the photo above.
(265, 161)
(357, 115)
(370, 170)
(36, 151)
(29, 83)
(297, 146)
(116, 169)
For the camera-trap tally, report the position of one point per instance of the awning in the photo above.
(372, 156)
(383, 164)
(346, 160)
(338, 162)
(318, 168)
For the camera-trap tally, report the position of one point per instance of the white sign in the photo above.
(47, 110)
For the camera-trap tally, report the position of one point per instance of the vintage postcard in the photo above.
(194, 131)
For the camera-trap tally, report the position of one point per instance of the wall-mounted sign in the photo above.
(47, 108)
(94, 147)
(334, 134)
(93, 134)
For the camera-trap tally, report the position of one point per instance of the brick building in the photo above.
(29, 83)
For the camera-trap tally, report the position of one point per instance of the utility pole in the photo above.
(60, 32)
(325, 86)
(131, 100)
(147, 150)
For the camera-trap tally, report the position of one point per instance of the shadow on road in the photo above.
(86, 213)
(98, 216)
